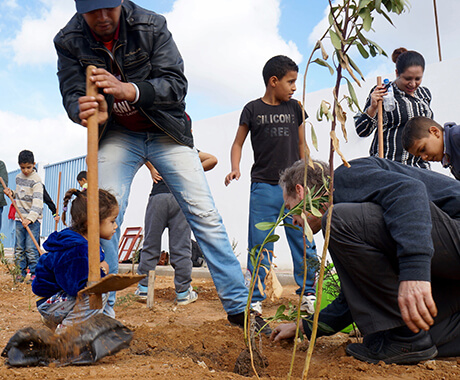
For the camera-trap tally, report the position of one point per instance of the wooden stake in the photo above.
(438, 38)
(151, 289)
(94, 274)
(22, 218)
(57, 203)
(380, 121)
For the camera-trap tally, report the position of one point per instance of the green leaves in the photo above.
(322, 62)
(352, 93)
(335, 39)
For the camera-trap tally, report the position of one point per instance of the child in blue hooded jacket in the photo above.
(63, 270)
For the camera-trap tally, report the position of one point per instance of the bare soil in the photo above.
(196, 342)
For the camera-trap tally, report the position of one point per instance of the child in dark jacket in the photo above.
(63, 270)
(425, 138)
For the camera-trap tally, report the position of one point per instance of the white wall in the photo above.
(216, 135)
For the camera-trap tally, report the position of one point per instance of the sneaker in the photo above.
(392, 348)
(260, 324)
(257, 307)
(308, 304)
(186, 297)
(141, 292)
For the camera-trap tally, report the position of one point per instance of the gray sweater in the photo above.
(404, 194)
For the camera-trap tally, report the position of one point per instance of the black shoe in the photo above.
(259, 322)
(392, 348)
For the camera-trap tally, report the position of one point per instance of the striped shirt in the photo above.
(407, 107)
(29, 196)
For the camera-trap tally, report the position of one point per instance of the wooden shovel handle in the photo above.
(57, 203)
(380, 121)
(94, 274)
(22, 218)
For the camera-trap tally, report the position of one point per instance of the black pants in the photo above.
(364, 254)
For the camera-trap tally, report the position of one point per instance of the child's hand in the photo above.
(26, 222)
(57, 218)
(8, 192)
(105, 267)
(234, 174)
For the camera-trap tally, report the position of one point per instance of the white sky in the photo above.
(224, 44)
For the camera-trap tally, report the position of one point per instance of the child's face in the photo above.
(27, 168)
(81, 182)
(430, 148)
(285, 87)
(108, 226)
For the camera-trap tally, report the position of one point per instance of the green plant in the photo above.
(11, 267)
(126, 300)
(349, 20)
(314, 200)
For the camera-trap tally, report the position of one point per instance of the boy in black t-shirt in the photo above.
(277, 138)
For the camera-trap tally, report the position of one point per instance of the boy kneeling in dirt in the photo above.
(63, 270)
(395, 242)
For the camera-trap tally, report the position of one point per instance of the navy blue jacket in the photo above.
(404, 193)
(452, 144)
(64, 266)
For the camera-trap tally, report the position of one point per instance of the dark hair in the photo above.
(26, 157)
(404, 59)
(78, 210)
(82, 175)
(417, 128)
(294, 175)
(278, 66)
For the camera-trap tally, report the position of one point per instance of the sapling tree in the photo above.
(348, 23)
(349, 20)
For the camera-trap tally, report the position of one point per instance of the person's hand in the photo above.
(57, 218)
(105, 267)
(8, 192)
(234, 174)
(156, 177)
(417, 305)
(26, 222)
(112, 86)
(376, 95)
(284, 331)
(88, 106)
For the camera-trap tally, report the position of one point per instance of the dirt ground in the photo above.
(195, 342)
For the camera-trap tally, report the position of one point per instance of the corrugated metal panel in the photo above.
(69, 170)
(8, 228)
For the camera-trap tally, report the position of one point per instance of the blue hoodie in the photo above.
(64, 266)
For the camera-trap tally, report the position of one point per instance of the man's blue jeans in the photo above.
(25, 252)
(122, 153)
(264, 206)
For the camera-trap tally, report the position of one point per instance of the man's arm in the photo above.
(406, 212)
(207, 160)
(167, 85)
(235, 154)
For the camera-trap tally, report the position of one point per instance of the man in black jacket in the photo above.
(140, 76)
(395, 242)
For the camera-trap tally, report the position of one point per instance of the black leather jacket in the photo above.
(146, 55)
